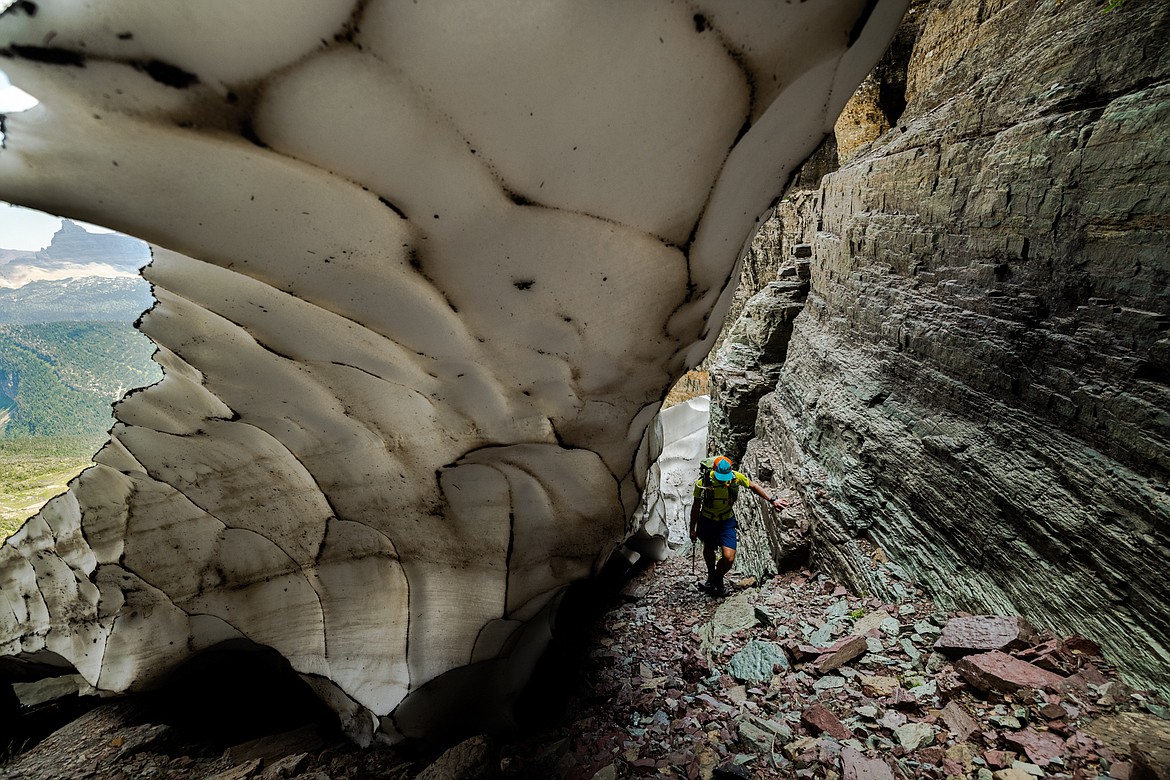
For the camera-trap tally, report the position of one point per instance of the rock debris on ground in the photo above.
(793, 677)
(796, 677)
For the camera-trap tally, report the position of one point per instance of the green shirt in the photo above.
(717, 499)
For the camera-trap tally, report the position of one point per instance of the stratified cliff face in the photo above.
(980, 382)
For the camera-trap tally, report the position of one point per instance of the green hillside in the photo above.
(89, 299)
(59, 378)
(33, 470)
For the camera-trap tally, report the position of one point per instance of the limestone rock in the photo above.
(1151, 759)
(749, 362)
(423, 277)
(75, 252)
(1123, 729)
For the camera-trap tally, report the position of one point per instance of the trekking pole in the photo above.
(694, 545)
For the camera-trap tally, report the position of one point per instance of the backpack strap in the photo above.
(718, 498)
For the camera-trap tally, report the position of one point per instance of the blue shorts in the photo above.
(722, 533)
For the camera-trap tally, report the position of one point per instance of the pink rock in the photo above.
(1087, 676)
(855, 766)
(952, 767)
(1081, 646)
(998, 758)
(985, 632)
(930, 755)
(902, 699)
(802, 652)
(996, 671)
(1120, 770)
(825, 722)
(1061, 655)
(1053, 711)
(1041, 746)
(959, 723)
(841, 653)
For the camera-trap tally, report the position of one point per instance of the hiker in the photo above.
(713, 517)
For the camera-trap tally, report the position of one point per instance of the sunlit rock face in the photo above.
(424, 272)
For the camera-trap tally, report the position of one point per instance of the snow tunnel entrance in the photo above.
(39, 693)
(235, 692)
(70, 294)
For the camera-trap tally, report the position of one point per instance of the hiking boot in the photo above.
(716, 587)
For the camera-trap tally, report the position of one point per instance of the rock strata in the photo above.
(976, 390)
(749, 363)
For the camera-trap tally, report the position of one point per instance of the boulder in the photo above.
(914, 735)
(1151, 759)
(980, 633)
(756, 661)
(1041, 747)
(1122, 730)
(475, 758)
(996, 671)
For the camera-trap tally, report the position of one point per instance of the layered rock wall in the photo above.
(980, 383)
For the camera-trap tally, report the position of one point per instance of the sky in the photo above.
(22, 228)
(13, 99)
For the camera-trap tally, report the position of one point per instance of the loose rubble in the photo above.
(679, 685)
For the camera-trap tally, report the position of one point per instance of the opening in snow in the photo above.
(70, 293)
(13, 99)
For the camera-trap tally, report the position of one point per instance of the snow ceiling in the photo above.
(424, 272)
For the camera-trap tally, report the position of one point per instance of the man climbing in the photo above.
(713, 517)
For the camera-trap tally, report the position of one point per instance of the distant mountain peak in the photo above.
(72, 243)
(69, 226)
(74, 252)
